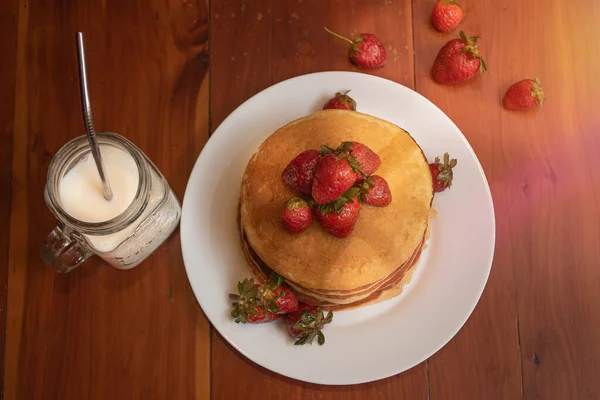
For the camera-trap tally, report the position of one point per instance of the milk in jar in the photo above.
(125, 230)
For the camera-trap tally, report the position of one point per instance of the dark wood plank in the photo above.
(300, 45)
(240, 53)
(99, 332)
(8, 49)
(483, 360)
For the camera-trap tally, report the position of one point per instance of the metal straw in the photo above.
(86, 108)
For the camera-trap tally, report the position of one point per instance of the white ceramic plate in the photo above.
(372, 342)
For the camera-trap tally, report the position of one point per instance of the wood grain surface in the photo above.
(98, 332)
(483, 360)
(166, 73)
(8, 47)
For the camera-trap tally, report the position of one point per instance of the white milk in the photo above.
(80, 190)
(82, 197)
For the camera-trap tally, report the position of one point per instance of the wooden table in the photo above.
(166, 73)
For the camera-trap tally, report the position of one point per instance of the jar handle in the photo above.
(62, 251)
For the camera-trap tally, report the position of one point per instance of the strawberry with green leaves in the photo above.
(277, 296)
(458, 61)
(339, 216)
(335, 173)
(262, 303)
(247, 307)
(442, 173)
(341, 101)
(366, 50)
(526, 94)
(375, 191)
(296, 215)
(368, 160)
(307, 323)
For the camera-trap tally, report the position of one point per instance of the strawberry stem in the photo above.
(339, 36)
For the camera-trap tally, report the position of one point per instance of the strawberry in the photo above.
(442, 173)
(367, 159)
(298, 174)
(306, 324)
(340, 216)
(296, 215)
(524, 95)
(458, 61)
(341, 101)
(446, 15)
(335, 173)
(247, 308)
(366, 51)
(260, 317)
(262, 303)
(375, 192)
(277, 296)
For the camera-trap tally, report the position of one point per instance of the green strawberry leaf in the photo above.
(321, 338)
(301, 341)
(275, 280)
(325, 150)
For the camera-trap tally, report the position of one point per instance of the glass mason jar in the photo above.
(123, 241)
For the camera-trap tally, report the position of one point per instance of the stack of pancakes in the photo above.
(379, 256)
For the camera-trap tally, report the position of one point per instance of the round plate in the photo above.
(372, 342)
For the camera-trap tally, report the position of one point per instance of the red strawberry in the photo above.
(446, 15)
(341, 101)
(340, 216)
(335, 173)
(296, 215)
(262, 303)
(375, 192)
(277, 296)
(524, 95)
(306, 324)
(442, 173)
(366, 51)
(247, 307)
(367, 159)
(298, 174)
(260, 317)
(458, 61)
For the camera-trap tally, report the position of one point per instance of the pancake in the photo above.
(384, 240)
(384, 290)
(392, 284)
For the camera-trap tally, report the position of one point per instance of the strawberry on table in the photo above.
(341, 101)
(296, 215)
(298, 174)
(339, 217)
(524, 95)
(458, 61)
(366, 51)
(307, 323)
(367, 159)
(335, 173)
(442, 173)
(446, 15)
(375, 191)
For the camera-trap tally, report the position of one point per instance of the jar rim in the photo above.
(79, 146)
